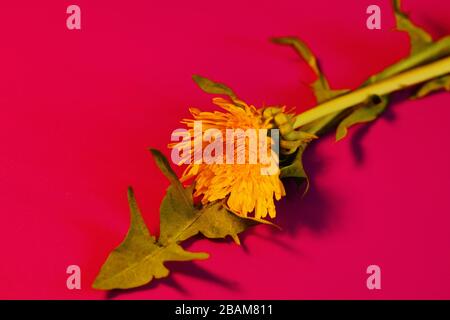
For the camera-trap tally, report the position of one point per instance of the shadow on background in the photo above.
(310, 210)
(190, 269)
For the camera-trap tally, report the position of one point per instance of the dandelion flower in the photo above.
(242, 186)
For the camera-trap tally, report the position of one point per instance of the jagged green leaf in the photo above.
(419, 38)
(302, 49)
(213, 87)
(442, 83)
(180, 219)
(321, 87)
(139, 258)
(363, 113)
(295, 169)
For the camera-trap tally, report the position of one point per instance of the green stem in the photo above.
(434, 51)
(398, 82)
(438, 49)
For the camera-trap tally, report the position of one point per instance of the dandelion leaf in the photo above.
(418, 37)
(141, 257)
(180, 219)
(321, 87)
(442, 83)
(363, 113)
(213, 87)
(295, 169)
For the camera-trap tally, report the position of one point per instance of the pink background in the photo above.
(78, 110)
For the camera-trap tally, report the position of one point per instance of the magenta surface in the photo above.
(78, 110)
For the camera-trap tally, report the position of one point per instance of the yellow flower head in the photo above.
(244, 189)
